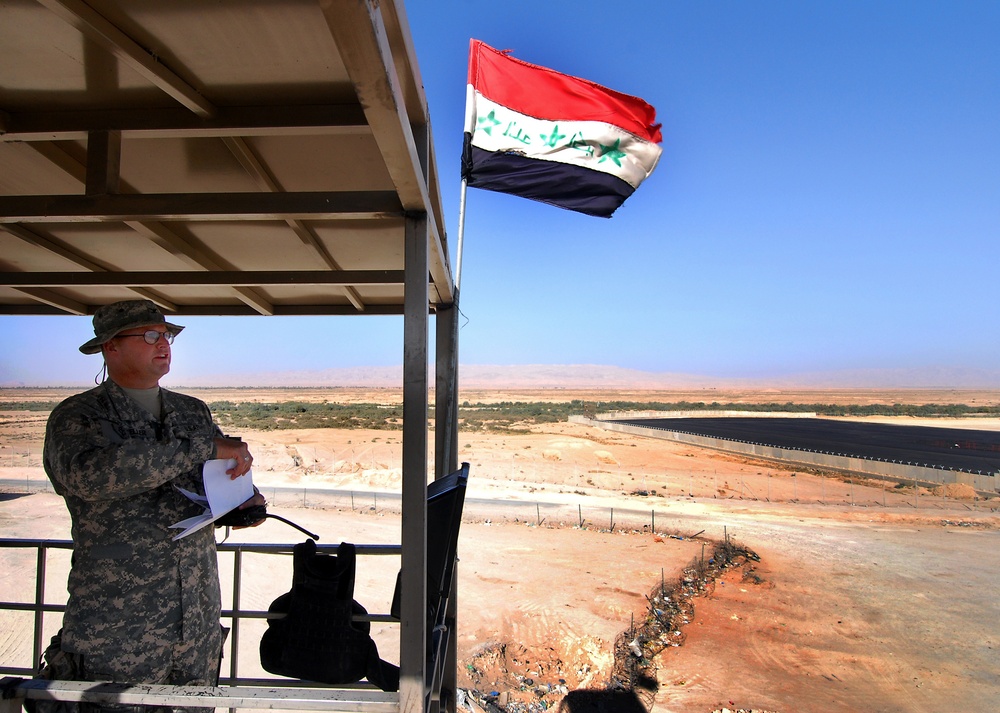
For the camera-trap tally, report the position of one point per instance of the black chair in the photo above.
(445, 500)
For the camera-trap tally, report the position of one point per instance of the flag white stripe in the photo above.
(599, 146)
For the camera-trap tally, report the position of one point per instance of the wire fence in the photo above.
(655, 514)
(367, 477)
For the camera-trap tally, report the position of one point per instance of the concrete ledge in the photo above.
(15, 691)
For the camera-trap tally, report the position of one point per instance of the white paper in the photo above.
(225, 493)
(222, 494)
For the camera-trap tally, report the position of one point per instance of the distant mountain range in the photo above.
(592, 376)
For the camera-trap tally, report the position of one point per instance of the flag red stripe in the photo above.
(547, 94)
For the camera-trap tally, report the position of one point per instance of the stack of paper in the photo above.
(222, 494)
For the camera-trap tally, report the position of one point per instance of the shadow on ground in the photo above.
(4, 497)
(601, 701)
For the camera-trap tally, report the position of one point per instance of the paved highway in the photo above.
(947, 448)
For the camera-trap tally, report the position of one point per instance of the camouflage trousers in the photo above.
(190, 668)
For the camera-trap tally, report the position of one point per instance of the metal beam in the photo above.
(99, 29)
(178, 123)
(446, 390)
(155, 232)
(446, 461)
(413, 610)
(233, 310)
(196, 256)
(221, 278)
(53, 246)
(60, 302)
(359, 30)
(440, 265)
(59, 248)
(63, 159)
(104, 158)
(200, 206)
(263, 177)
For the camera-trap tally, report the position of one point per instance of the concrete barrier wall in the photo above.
(624, 415)
(901, 472)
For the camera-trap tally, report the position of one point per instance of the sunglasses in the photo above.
(152, 336)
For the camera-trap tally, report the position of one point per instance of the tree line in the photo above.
(512, 416)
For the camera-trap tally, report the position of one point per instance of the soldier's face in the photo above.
(133, 362)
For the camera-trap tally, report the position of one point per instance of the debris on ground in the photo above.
(508, 678)
(670, 609)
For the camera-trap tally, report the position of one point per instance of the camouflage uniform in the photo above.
(142, 608)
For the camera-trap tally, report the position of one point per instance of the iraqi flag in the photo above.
(540, 134)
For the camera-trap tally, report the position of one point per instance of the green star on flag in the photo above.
(554, 138)
(491, 121)
(612, 152)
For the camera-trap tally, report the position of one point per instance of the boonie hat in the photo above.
(111, 319)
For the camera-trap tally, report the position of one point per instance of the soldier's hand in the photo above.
(256, 501)
(239, 451)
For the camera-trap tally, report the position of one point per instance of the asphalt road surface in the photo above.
(947, 448)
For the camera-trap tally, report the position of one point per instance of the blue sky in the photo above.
(828, 199)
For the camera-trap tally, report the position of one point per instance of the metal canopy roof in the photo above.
(224, 157)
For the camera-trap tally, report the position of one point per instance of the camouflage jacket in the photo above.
(131, 588)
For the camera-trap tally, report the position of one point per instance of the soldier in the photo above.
(142, 607)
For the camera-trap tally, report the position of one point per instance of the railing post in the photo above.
(40, 568)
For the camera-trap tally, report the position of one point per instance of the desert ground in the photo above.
(866, 597)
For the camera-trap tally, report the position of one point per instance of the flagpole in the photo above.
(461, 237)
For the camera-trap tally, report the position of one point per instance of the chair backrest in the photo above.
(445, 500)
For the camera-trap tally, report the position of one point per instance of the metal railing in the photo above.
(40, 606)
